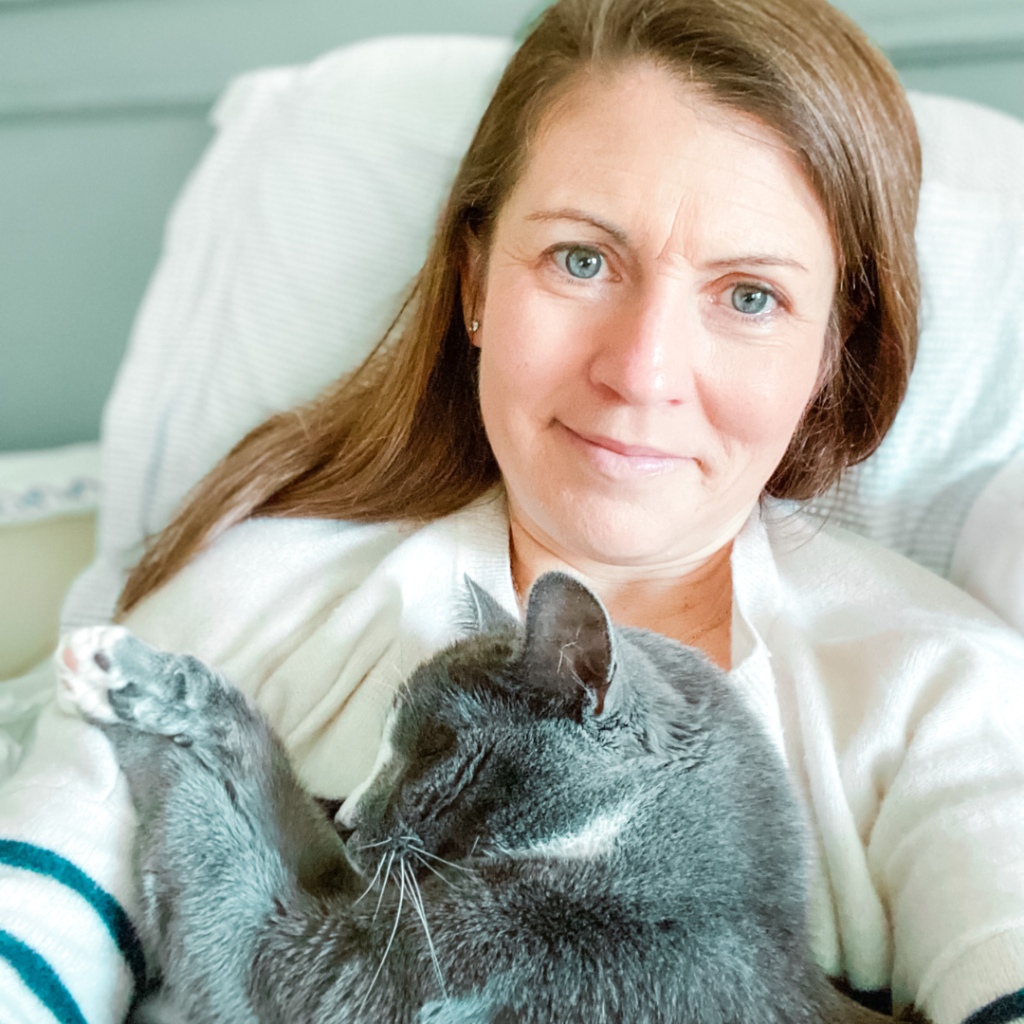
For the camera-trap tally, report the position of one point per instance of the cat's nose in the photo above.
(345, 817)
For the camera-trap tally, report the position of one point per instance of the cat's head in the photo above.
(531, 740)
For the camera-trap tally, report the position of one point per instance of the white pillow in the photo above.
(292, 243)
(284, 261)
(989, 558)
(963, 417)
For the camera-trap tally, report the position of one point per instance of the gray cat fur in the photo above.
(599, 831)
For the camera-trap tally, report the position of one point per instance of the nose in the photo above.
(345, 816)
(647, 347)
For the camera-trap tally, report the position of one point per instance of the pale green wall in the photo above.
(102, 113)
(968, 48)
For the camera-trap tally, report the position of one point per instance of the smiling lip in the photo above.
(632, 451)
(616, 458)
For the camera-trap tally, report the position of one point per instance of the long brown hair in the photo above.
(402, 436)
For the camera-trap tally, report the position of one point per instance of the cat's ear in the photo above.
(568, 640)
(483, 613)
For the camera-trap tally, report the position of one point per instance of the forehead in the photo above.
(658, 158)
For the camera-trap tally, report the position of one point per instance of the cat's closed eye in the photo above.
(435, 741)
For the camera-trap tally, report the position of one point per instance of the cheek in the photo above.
(509, 376)
(508, 385)
(758, 402)
(527, 361)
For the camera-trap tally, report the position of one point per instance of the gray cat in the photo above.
(572, 822)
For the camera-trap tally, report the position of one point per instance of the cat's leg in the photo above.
(250, 906)
(361, 961)
(226, 835)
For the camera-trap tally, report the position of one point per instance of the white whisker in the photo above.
(430, 867)
(448, 863)
(451, 864)
(373, 882)
(387, 949)
(370, 846)
(384, 884)
(394, 931)
(417, 901)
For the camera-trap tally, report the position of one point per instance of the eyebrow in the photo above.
(568, 213)
(766, 259)
(757, 259)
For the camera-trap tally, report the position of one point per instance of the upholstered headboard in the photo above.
(103, 108)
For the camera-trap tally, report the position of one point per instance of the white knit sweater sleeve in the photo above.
(947, 846)
(904, 704)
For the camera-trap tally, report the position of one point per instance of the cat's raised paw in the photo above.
(85, 671)
(111, 677)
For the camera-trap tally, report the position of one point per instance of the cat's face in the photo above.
(524, 743)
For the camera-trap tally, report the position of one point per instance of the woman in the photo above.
(675, 279)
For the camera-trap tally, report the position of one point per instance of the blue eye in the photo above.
(583, 263)
(750, 299)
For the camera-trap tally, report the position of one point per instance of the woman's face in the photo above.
(652, 322)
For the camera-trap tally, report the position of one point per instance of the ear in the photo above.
(473, 273)
(485, 614)
(568, 640)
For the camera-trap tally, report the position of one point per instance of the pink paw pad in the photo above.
(85, 673)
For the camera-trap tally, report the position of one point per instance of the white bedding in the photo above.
(34, 486)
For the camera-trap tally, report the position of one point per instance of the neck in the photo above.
(691, 604)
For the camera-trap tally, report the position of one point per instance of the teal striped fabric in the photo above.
(1002, 1011)
(34, 971)
(40, 978)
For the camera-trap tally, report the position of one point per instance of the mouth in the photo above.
(619, 458)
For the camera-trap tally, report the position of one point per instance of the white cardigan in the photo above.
(897, 701)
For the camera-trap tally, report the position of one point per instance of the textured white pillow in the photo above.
(291, 245)
(989, 558)
(963, 417)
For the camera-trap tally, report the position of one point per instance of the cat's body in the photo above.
(571, 823)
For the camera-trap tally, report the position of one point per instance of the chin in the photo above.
(618, 535)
